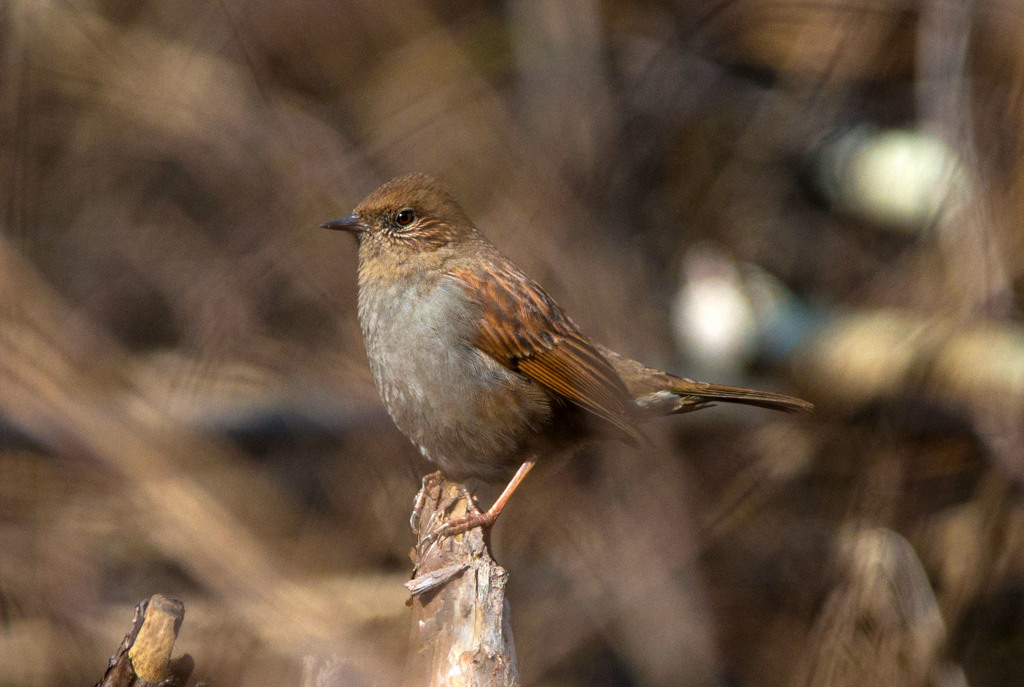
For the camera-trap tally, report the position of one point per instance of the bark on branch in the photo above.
(461, 634)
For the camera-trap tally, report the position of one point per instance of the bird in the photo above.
(477, 365)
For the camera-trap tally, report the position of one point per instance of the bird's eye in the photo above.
(404, 218)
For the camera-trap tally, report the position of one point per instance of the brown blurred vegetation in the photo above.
(184, 401)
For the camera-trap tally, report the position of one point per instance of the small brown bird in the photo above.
(477, 364)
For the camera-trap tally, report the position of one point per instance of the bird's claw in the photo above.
(465, 523)
(429, 481)
(454, 527)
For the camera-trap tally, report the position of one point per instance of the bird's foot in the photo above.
(429, 481)
(465, 523)
(474, 518)
(459, 525)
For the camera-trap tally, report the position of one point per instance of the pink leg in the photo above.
(471, 520)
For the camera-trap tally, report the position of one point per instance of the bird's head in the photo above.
(409, 215)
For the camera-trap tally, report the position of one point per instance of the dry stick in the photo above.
(144, 657)
(461, 634)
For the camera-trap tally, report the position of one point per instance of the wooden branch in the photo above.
(461, 636)
(144, 657)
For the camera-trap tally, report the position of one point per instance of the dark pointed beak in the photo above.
(352, 224)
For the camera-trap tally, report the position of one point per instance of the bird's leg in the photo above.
(471, 520)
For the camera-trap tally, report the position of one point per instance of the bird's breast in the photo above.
(465, 411)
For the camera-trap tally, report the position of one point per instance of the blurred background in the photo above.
(818, 198)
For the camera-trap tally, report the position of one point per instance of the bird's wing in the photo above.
(523, 328)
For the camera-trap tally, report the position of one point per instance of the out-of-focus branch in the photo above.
(144, 657)
(461, 633)
(881, 624)
(976, 367)
(67, 385)
(979, 277)
(560, 59)
(855, 358)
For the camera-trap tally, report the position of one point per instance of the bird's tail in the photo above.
(694, 394)
(658, 393)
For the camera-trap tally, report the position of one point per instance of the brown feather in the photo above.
(648, 387)
(526, 331)
(705, 393)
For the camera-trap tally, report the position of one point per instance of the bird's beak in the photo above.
(352, 224)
